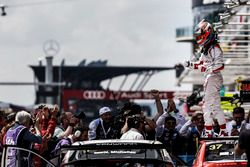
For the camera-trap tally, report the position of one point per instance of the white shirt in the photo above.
(229, 126)
(132, 134)
(180, 119)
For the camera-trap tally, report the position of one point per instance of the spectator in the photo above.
(234, 127)
(170, 136)
(48, 124)
(171, 110)
(149, 128)
(135, 126)
(10, 117)
(10, 121)
(2, 119)
(216, 127)
(66, 125)
(66, 122)
(102, 128)
(248, 117)
(192, 130)
(243, 145)
(156, 96)
(19, 135)
(80, 134)
(246, 123)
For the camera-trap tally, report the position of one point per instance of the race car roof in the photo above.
(116, 149)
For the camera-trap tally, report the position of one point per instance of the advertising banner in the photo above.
(245, 91)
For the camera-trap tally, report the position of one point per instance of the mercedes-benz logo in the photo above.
(51, 47)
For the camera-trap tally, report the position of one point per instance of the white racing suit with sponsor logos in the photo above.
(211, 63)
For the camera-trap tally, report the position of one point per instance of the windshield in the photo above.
(113, 154)
(221, 151)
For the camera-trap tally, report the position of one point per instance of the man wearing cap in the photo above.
(101, 128)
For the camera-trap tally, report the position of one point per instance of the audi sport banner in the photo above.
(112, 95)
(245, 91)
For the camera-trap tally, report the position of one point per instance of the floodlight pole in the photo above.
(51, 48)
(49, 77)
(60, 87)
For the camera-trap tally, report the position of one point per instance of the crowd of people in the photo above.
(47, 129)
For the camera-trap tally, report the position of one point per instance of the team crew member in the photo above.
(101, 128)
(20, 136)
(210, 63)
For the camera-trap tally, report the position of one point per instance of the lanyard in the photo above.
(103, 129)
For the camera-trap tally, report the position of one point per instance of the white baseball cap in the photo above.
(104, 110)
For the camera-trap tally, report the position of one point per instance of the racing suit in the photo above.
(211, 63)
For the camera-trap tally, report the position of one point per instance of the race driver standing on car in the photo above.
(210, 63)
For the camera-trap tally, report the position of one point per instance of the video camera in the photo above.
(194, 98)
(134, 121)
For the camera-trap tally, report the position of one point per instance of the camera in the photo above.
(134, 121)
(194, 98)
(41, 106)
(80, 114)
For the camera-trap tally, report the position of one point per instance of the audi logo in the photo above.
(94, 94)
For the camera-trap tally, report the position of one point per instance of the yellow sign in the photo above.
(226, 105)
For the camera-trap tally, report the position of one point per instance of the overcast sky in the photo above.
(125, 32)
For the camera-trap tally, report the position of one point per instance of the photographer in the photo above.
(132, 109)
(80, 118)
(148, 130)
(120, 119)
(135, 125)
(194, 99)
(234, 127)
(48, 124)
(19, 135)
